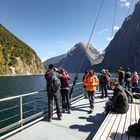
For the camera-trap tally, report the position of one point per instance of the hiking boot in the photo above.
(49, 119)
(91, 110)
(59, 117)
(85, 97)
(63, 110)
(69, 111)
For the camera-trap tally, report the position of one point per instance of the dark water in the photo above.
(18, 85)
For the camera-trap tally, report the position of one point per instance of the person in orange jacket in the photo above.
(91, 81)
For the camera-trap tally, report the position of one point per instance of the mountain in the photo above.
(16, 57)
(72, 60)
(54, 60)
(124, 49)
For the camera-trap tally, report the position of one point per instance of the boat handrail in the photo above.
(30, 93)
(21, 119)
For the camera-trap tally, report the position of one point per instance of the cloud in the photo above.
(116, 28)
(103, 31)
(125, 3)
(44, 59)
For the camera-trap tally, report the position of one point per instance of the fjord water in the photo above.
(17, 85)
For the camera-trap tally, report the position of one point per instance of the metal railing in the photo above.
(20, 118)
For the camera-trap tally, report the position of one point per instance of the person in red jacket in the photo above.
(91, 81)
(65, 91)
(134, 80)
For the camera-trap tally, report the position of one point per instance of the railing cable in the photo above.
(114, 18)
(76, 76)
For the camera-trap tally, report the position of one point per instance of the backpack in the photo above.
(54, 83)
(134, 129)
(134, 79)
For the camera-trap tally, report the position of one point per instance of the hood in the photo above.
(49, 73)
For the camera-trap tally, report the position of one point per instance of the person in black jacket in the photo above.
(53, 91)
(121, 76)
(119, 102)
(84, 87)
(127, 78)
(103, 83)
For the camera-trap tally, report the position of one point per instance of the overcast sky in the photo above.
(52, 27)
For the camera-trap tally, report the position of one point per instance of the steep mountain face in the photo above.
(72, 60)
(124, 49)
(16, 57)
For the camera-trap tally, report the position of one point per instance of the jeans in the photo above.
(91, 95)
(104, 89)
(108, 106)
(65, 94)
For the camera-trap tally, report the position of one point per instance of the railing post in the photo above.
(21, 112)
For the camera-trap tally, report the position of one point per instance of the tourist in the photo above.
(121, 76)
(103, 83)
(134, 80)
(99, 86)
(119, 102)
(127, 78)
(53, 91)
(108, 77)
(65, 91)
(91, 81)
(84, 87)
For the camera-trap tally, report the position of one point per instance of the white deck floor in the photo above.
(79, 125)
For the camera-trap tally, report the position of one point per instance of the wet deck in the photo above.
(79, 125)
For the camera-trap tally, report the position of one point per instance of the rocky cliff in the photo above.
(72, 60)
(124, 49)
(16, 57)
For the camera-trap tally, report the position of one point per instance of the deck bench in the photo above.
(114, 126)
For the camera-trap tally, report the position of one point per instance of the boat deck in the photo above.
(79, 125)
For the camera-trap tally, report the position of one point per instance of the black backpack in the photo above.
(134, 129)
(54, 83)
